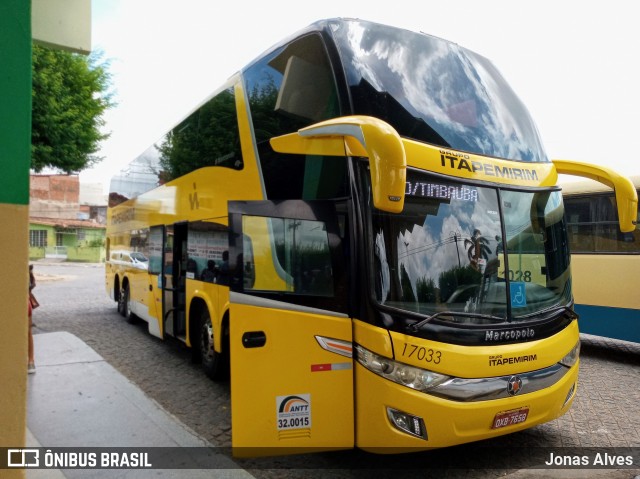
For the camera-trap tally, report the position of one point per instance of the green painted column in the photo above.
(15, 91)
(15, 158)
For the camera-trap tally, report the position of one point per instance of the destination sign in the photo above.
(425, 189)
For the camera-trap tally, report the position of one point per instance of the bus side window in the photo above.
(190, 145)
(155, 249)
(246, 267)
(304, 91)
(292, 88)
(592, 223)
(286, 255)
(608, 236)
(580, 224)
(207, 251)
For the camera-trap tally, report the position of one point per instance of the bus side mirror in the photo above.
(626, 195)
(357, 136)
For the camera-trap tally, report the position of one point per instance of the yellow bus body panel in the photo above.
(449, 422)
(485, 361)
(142, 290)
(475, 167)
(201, 194)
(283, 367)
(606, 280)
(373, 338)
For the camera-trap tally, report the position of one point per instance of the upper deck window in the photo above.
(207, 137)
(289, 89)
(435, 91)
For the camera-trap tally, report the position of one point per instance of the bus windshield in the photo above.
(435, 91)
(445, 253)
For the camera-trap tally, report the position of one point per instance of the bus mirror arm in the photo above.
(363, 136)
(626, 195)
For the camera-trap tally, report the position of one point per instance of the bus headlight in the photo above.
(409, 376)
(572, 357)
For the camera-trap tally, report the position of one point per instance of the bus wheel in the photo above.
(211, 360)
(122, 302)
(126, 306)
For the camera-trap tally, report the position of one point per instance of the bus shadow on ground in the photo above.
(609, 349)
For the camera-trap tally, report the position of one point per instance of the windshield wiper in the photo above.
(413, 328)
(554, 311)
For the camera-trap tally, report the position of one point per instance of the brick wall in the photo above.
(54, 196)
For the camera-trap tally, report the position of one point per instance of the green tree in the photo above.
(208, 137)
(426, 290)
(70, 95)
(449, 281)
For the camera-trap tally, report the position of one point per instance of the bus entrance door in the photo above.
(290, 339)
(174, 277)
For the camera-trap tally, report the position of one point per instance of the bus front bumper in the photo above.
(446, 422)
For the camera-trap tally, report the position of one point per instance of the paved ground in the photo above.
(606, 412)
(78, 399)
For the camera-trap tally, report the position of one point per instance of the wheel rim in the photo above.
(206, 340)
(125, 301)
(121, 301)
(128, 302)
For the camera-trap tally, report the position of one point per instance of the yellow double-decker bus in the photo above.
(363, 228)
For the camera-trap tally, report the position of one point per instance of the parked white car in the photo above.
(129, 258)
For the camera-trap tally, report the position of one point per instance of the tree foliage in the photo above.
(70, 95)
(426, 290)
(460, 276)
(207, 137)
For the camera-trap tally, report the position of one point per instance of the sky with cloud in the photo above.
(573, 63)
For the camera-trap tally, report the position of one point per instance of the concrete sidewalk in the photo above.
(76, 399)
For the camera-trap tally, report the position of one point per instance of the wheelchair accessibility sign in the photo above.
(518, 294)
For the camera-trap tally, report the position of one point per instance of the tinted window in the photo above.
(139, 244)
(208, 250)
(155, 249)
(289, 89)
(287, 255)
(593, 226)
(208, 137)
(446, 251)
(435, 91)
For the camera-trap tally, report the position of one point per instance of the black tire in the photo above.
(215, 364)
(121, 303)
(126, 306)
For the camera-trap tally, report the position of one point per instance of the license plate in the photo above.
(509, 418)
